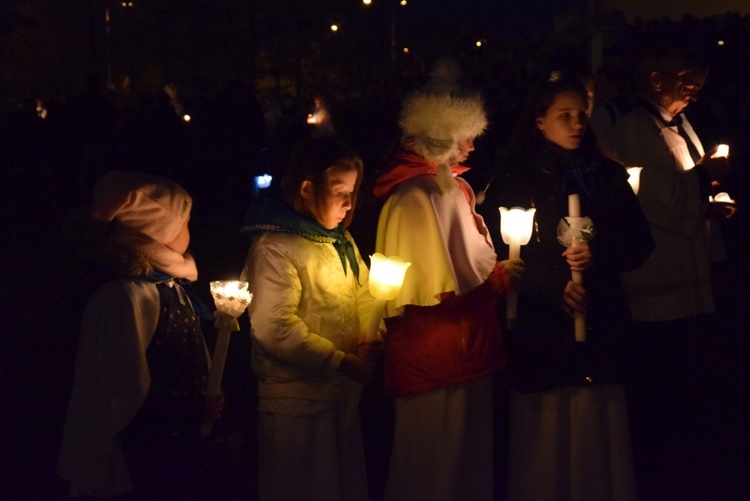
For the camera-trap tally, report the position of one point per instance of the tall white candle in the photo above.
(574, 210)
(574, 205)
(231, 299)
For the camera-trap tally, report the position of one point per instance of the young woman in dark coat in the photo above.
(569, 433)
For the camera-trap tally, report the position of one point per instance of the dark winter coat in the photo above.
(543, 353)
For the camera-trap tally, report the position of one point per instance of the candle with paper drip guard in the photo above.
(231, 299)
(386, 279)
(634, 178)
(574, 230)
(516, 226)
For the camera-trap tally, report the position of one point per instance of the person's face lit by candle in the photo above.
(465, 147)
(672, 86)
(182, 241)
(565, 121)
(332, 207)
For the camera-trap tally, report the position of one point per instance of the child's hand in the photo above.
(514, 268)
(356, 367)
(213, 405)
(370, 350)
(574, 299)
(578, 256)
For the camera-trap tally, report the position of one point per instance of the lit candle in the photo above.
(386, 279)
(516, 226)
(634, 178)
(721, 197)
(726, 202)
(721, 151)
(231, 299)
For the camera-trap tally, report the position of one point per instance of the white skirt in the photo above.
(442, 446)
(570, 444)
(312, 456)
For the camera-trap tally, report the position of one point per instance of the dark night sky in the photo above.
(503, 17)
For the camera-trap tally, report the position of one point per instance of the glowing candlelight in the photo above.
(721, 197)
(386, 279)
(634, 178)
(728, 204)
(231, 299)
(721, 151)
(516, 226)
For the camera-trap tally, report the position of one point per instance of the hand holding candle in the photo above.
(386, 279)
(721, 206)
(575, 230)
(516, 225)
(232, 299)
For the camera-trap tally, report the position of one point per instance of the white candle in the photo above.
(516, 226)
(511, 299)
(218, 360)
(231, 299)
(574, 205)
(574, 210)
(378, 310)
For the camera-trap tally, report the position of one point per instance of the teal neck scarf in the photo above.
(273, 215)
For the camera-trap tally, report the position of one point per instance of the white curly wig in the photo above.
(435, 118)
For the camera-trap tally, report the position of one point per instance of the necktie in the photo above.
(677, 121)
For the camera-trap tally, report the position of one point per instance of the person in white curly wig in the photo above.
(443, 342)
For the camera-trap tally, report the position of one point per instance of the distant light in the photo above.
(334, 27)
(41, 111)
(367, 2)
(479, 43)
(403, 2)
(263, 181)
(186, 118)
(406, 50)
(720, 42)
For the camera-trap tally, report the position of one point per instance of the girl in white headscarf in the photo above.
(138, 400)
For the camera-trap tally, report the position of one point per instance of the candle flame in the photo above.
(721, 151)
